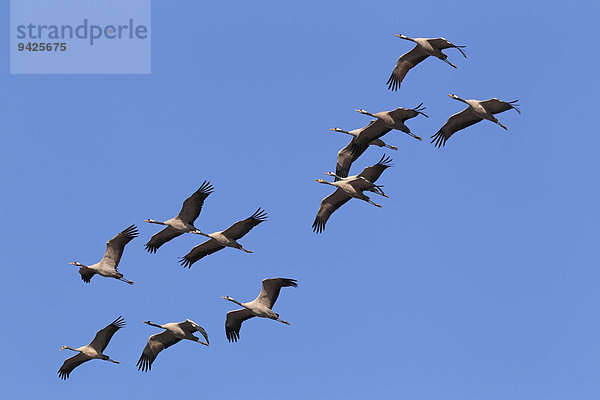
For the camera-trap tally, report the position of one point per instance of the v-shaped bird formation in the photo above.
(346, 188)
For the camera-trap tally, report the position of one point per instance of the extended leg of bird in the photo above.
(247, 251)
(282, 321)
(391, 147)
(413, 135)
(380, 192)
(452, 65)
(377, 190)
(201, 342)
(505, 128)
(375, 204)
(113, 361)
(125, 280)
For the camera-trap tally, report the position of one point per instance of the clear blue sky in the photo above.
(478, 279)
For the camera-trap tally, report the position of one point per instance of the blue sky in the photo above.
(477, 279)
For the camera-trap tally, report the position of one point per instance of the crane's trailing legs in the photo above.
(449, 63)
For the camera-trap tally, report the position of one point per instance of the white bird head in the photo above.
(321, 180)
(453, 96)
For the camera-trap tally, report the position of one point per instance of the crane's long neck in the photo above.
(70, 348)
(406, 38)
(153, 324)
(340, 130)
(366, 113)
(235, 301)
(154, 222)
(199, 232)
(335, 175)
(327, 182)
(77, 264)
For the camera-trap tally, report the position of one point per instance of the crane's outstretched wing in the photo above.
(270, 290)
(233, 323)
(376, 129)
(162, 237)
(496, 106)
(454, 124)
(373, 172)
(240, 228)
(70, 364)
(156, 344)
(191, 326)
(193, 205)
(200, 251)
(403, 65)
(86, 274)
(328, 205)
(345, 158)
(116, 245)
(104, 335)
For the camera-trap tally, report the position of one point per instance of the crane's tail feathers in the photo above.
(419, 109)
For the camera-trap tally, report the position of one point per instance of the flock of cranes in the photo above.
(177, 331)
(346, 188)
(386, 121)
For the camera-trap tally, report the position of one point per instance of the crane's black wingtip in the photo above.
(385, 161)
(289, 282)
(144, 364)
(260, 215)
(131, 230)
(206, 188)
(318, 225)
(185, 262)
(393, 83)
(232, 336)
(151, 248)
(119, 322)
(439, 139)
